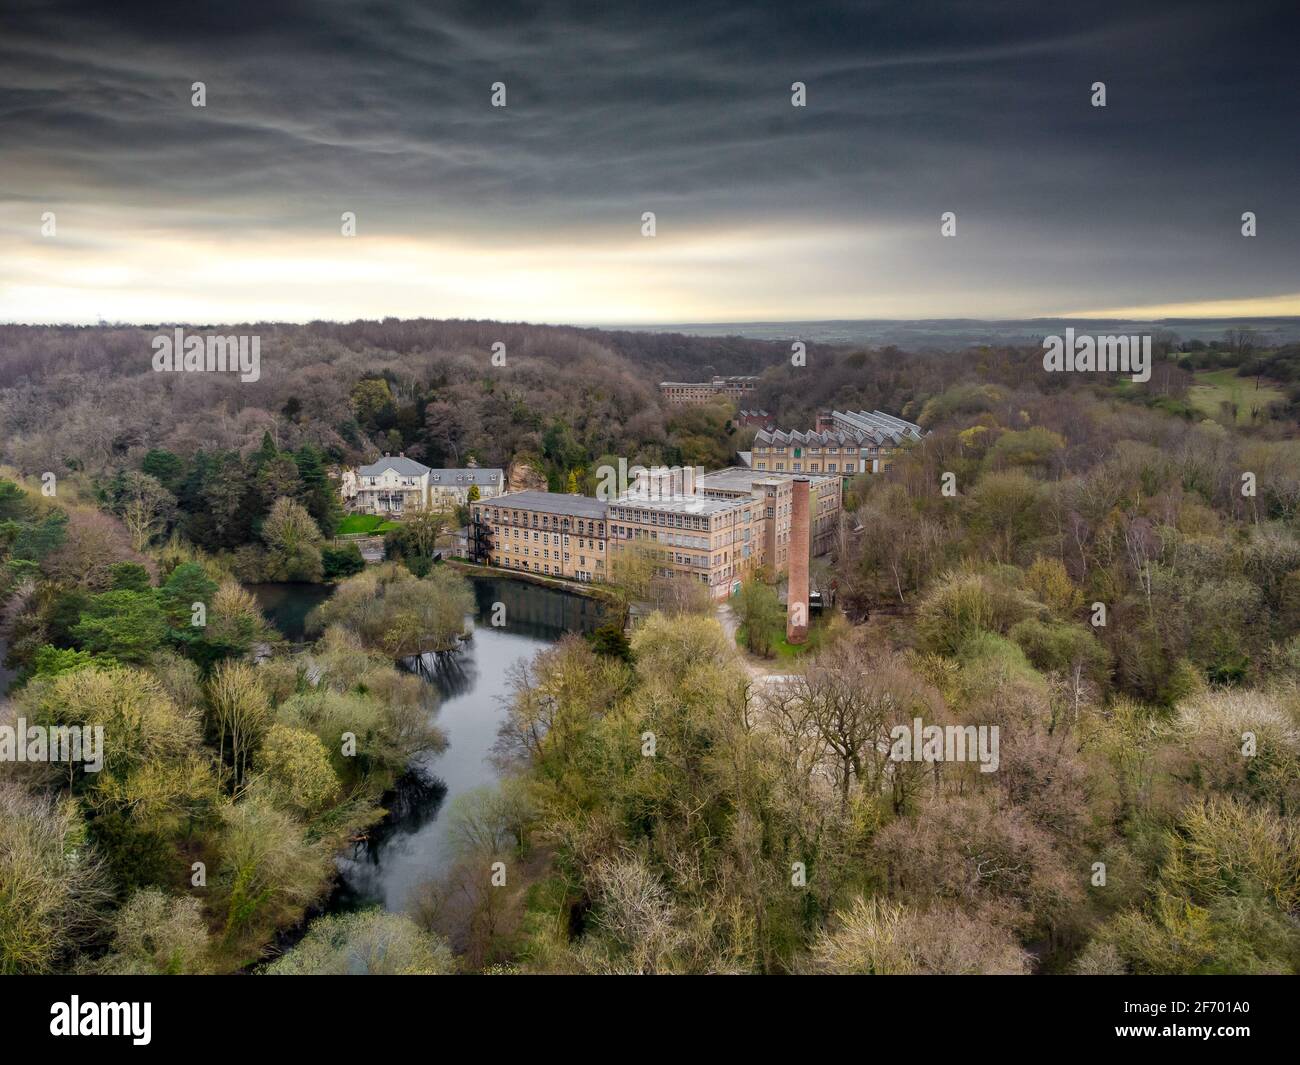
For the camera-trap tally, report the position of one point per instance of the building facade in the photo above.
(395, 485)
(542, 532)
(698, 393)
(844, 444)
(717, 542)
(796, 600)
(755, 419)
(826, 502)
(716, 528)
(449, 488)
(826, 507)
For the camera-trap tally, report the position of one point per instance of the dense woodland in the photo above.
(1114, 582)
(88, 399)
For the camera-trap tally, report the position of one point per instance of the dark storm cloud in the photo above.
(613, 109)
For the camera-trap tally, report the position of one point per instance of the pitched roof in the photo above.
(399, 464)
(466, 477)
(552, 503)
(860, 429)
(879, 421)
(836, 437)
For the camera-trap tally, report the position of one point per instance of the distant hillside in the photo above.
(34, 351)
(950, 334)
(87, 398)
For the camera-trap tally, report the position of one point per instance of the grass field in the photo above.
(781, 648)
(365, 524)
(1214, 388)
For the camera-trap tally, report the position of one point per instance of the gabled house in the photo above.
(448, 488)
(393, 485)
(844, 443)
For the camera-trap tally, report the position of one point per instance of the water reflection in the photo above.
(409, 847)
(286, 606)
(450, 672)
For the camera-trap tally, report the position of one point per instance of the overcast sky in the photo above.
(764, 211)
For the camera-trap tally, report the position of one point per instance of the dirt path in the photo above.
(758, 668)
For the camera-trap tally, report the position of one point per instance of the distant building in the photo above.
(395, 485)
(756, 418)
(698, 393)
(844, 443)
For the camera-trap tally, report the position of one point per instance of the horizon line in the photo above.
(614, 325)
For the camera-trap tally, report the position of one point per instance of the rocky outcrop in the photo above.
(521, 477)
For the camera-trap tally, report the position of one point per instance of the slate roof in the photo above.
(869, 429)
(484, 478)
(399, 464)
(550, 502)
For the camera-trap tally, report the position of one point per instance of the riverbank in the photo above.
(513, 621)
(559, 584)
(287, 605)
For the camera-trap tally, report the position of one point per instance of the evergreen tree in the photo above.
(165, 467)
(318, 492)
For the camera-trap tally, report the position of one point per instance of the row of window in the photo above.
(813, 467)
(660, 517)
(582, 526)
(584, 543)
(702, 561)
(547, 554)
(865, 452)
(545, 567)
(632, 532)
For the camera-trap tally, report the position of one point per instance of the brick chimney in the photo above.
(796, 599)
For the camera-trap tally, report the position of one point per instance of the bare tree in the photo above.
(853, 698)
(144, 506)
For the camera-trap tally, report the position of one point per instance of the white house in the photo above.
(392, 485)
(396, 484)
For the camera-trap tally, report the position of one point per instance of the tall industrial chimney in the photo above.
(796, 599)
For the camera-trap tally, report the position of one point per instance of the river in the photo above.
(410, 848)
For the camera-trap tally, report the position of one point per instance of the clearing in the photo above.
(1223, 396)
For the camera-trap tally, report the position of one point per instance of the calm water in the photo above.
(287, 605)
(410, 847)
